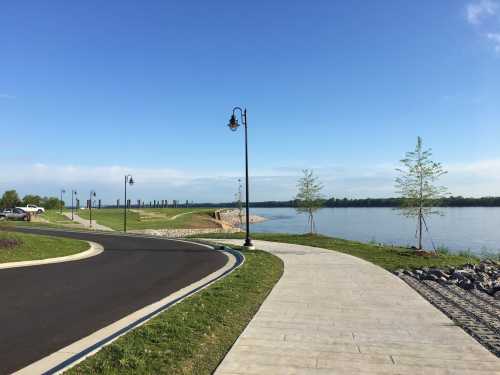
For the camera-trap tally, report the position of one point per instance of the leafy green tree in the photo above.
(32, 199)
(417, 185)
(309, 198)
(51, 203)
(10, 199)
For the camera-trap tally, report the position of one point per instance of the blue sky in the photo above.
(92, 90)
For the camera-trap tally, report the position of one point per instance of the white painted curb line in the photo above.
(95, 249)
(53, 363)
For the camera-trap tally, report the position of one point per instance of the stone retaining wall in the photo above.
(232, 217)
(179, 233)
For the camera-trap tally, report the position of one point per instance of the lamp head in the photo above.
(233, 123)
(131, 181)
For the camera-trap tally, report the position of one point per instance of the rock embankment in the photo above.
(484, 277)
(469, 295)
(179, 233)
(235, 218)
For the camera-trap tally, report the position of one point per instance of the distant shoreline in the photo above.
(366, 203)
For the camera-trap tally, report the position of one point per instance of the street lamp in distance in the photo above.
(73, 195)
(233, 125)
(92, 194)
(128, 180)
(61, 201)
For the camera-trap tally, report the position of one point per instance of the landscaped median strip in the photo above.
(78, 351)
(35, 249)
(94, 249)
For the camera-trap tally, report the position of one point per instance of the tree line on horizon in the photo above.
(10, 199)
(452, 201)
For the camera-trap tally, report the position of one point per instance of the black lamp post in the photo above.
(128, 180)
(61, 201)
(73, 194)
(233, 125)
(92, 194)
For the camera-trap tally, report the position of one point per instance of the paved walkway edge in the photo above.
(95, 249)
(333, 313)
(72, 354)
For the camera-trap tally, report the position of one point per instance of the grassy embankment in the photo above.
(153, 218)
(193, 336)
(148, 218)
(16, 247)
(390, 258)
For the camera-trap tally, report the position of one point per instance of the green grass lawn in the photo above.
(35, 247)
(153, 218)
(51, 218)
(193, 336)
(390, 258)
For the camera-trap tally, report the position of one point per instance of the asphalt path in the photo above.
(45, 308)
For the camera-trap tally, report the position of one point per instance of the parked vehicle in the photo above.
(33, 208)
(5, 211)
(15, 214)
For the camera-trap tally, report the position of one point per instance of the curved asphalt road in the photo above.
(45, 308)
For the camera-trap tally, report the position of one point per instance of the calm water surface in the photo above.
(471, 228)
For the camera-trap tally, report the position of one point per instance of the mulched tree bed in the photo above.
(9, 243)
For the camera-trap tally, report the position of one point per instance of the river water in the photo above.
(471, 228)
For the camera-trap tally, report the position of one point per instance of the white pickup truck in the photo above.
(32, 208)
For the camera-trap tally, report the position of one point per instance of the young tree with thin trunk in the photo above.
(417, 185)
(309, 198)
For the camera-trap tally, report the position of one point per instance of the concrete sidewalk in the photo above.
(332, 313)
(86, 223)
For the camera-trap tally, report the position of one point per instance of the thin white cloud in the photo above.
(481, 168)
(479, 178)
(495, 39)
(479, 10)
(484, 16)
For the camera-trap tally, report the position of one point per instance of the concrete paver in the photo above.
(332, 313)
